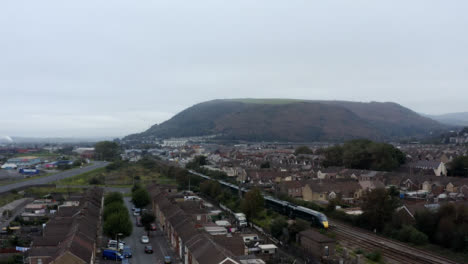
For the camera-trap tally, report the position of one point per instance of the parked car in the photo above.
(136, 212)
(111, 254)
(149, 249)
(138, 221)
(153, 226)
(127, 252)
(112, 244)
(145, 239)
(167, 260)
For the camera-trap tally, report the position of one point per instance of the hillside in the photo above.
(452, 119)
(293, 120)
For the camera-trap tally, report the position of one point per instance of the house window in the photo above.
(198, 217)
(326, 251)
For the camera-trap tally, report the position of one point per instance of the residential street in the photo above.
(157, 240)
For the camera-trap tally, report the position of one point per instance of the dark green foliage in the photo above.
(412, 235)
(378, 209)
(277, 227)
(140, 198)
(112, 208)
(459, 166)
(211, 188)
(364, 154)
(113, 197)
(265, 165)
(115, 216)
(375, 256)
(448, 227)
(96, 180)
(146, 220)
(116, 165)
(118, 222)
(303, 150)
(197, 162)
(252, 203)
(298, 226)
(106, 150)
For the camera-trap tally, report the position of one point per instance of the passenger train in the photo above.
(282, 207)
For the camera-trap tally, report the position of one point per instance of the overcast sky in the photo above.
(113, 67)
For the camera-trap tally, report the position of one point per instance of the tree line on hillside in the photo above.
(365, 155)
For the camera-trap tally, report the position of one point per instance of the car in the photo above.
(112, 244)
(153, 226)
(167, 260)
(144, 239)
(138, 221)
(137, 212)
(127, 252)
(149, 249)
(111, 254)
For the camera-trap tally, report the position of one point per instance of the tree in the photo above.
(146, 220)
(252, 203)
(106, 150)
(197, 162)
(298, 226)
(303, 150)
(265, 165)
(378, 208)
(364, 154)
(113, 197)
(277, 227)
(140, 198)
(118, 223)
(459, 166)
(113, 208)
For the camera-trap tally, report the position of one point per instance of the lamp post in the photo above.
(118, 235)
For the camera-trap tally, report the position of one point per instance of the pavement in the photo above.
(55, 177)
(157, 238)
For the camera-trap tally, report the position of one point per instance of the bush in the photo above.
(375, 256)
(418, 238)
(96, 180)
(412, 235)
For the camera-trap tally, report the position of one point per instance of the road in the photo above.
(55, 177)
(157, 240)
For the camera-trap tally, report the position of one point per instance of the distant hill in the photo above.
(294, 121)
(452, 119)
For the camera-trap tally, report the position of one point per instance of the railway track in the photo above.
(390, 249)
